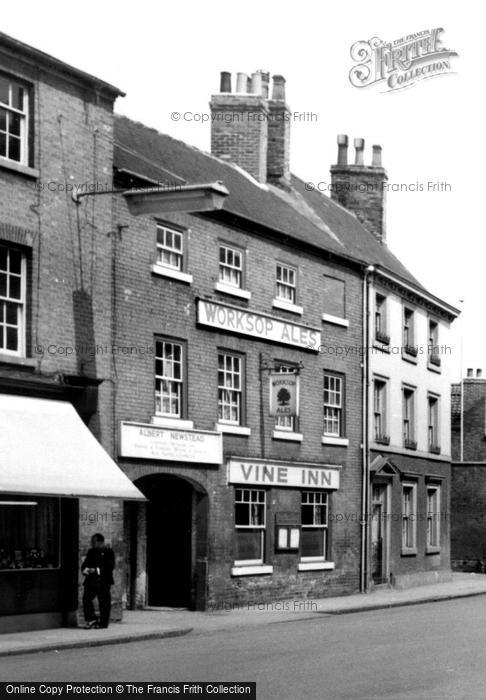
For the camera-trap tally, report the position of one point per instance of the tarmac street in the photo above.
(428, 651)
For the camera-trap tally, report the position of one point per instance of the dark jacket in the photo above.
(103, 559)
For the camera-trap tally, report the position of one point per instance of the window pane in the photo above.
(4, 90)
(14, 148)
(18, 97)
(312, 544)
(249, 544)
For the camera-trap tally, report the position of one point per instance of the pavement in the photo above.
(139, 625)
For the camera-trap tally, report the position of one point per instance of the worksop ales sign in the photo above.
(243, 322)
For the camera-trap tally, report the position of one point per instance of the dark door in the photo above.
(378, 534)
(169, 542)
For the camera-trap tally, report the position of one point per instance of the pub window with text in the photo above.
(250, 525)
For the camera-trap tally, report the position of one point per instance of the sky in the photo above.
(168, 57)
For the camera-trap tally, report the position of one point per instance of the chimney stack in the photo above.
(239, 123)
(359, 187)
(479, 373)
(470, 372)
(278, 154)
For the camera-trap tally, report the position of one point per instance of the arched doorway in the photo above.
(175, 542)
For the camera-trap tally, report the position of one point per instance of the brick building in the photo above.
(207, 287)
(56, 128)
(468, 482)
(195, 288)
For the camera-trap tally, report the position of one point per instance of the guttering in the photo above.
(161, 199)
(364, 522)
(451, 310)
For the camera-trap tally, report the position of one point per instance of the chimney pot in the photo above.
(376, 160)
(256, 83)
(278, 90)
(225, 85)
(359, 149)
(241, 83)
(479, 373)
(342, 141)
(470, 372)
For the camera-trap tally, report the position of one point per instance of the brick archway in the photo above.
(156, 576)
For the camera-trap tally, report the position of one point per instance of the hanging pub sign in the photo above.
(284, 394)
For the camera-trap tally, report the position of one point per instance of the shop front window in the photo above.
(29, 533)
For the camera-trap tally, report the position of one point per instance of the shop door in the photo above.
(169, 543)
(379, 534)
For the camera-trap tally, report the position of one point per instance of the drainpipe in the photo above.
(364, 522)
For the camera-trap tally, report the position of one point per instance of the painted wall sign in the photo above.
(244, 322)
(145, 441)
(255, 473)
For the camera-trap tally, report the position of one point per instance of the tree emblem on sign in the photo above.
(283, 397)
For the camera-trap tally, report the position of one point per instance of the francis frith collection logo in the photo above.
(400, 63)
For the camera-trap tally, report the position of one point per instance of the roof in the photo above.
(311, 218)
(40, 57)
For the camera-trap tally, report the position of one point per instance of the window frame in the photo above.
(182, 383)
(433, 330)
(242, 389)
(262, 527)
(182, 253)
(225, 265)
(279, 283)
(330, 374)
(409, 441)
(381, 312)
(25, 120)
(316, 526)
(410, 518)
(433, 526)
(433, 447)
(21, 302)
(382, 437)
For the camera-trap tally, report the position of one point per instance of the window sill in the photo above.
(413, 359)
(232, 429)
(233, 291)
(164, 422)
(329, 440)
(316, 566)
(381, 346)
(409, 551)
(19, 168)
(434, 368)
(173, 274)
(287, 306)
(287, 435)
(336, 320)
(254, 570)
(7, 359)
(432, 550)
